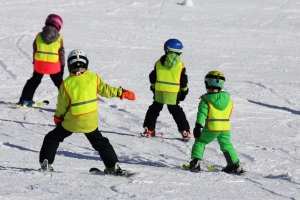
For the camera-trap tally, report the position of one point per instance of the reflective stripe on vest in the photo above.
(168, 79)
(218, 120)
(83, 93)
(47, 52)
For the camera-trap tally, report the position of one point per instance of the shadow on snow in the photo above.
(296, 112)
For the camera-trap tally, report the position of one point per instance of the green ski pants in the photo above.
(224, 141)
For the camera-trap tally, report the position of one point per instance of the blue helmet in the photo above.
(173, 45)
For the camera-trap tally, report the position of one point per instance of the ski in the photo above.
(35, 105)
(161, 135)
(211, 168)
(157, 135)
(186, 166)
(98, 171)
(183, 139)
(249, 174)
(45, 171)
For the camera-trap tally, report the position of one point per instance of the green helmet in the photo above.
(214, 80)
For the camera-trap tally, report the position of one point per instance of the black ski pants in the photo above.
(175, 110)
(32, 84)
(99, 143)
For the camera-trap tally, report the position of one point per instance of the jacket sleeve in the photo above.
(34, 49)
(107, 91)
(152, 76)
(184, 89)
(183, 80)
(202, 112)
(63, 102)
(62, 54)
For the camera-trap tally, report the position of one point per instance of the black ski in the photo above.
(98, 171)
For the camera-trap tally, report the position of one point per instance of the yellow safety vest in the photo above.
(47, 52)
(168, 79)
(218, 120)
(83, 93)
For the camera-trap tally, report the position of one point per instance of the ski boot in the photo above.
(186, 136)
(148, 133)
(26, 103)
(195, 165)
(236, 168)
(116, 170)
(45, 166)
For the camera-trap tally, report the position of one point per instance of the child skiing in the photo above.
(48, 58)
(214, 110)
(169, 85)
(77, 111)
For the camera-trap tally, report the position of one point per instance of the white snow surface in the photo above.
(255, 43)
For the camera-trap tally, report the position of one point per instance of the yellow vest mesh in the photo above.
(83, 93)
(47, 52)
(218, 120)
(168, 79)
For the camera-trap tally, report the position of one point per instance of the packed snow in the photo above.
(255, 43)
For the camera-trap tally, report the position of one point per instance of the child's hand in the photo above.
(197, 131)
(127, 95)
(57, 120)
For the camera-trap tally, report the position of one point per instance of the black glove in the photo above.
(197, 131)
(62, 69)
(182, 97)
(183, 94)
(152, 89)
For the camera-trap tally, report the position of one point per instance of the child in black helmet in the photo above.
(169, 85)
(48, 58)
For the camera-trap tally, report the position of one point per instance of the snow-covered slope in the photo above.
(255, 43)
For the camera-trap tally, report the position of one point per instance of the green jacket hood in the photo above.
(219, 100)
(172, 59)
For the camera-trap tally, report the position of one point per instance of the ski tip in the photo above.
(46, 102)
(94, 169)
(212, 168)
(14, 107)
(160, 134)
(186, 165)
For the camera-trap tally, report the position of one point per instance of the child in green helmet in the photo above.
(214, 111)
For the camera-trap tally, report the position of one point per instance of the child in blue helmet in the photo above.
(214, 112)
(169, 83)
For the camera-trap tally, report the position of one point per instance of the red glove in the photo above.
(127, 95)
(57, 120)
